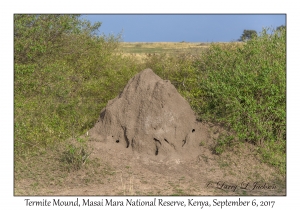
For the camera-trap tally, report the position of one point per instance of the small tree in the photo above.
(44, 35)
(248, 34)
(282, 27)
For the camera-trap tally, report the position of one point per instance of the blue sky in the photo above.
(188, 27)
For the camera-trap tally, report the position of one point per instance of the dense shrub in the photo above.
(245, 88)
(64, 74)
(241, 86)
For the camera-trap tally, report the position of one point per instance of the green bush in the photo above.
(241, 86)
(245, 90)
(75, 155)
(40, 38)
(63, 76)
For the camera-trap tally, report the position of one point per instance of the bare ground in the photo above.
(111, 172)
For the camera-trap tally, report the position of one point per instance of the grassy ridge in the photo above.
(63, 80)
(163, 47)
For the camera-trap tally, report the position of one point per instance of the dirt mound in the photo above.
(149, 117)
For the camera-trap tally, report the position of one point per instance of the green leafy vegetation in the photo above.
(246, 91)
(241, 87)
(247, 35)
(75, 155)
(61, 85)
(64, 74)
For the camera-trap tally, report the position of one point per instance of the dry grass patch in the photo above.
(142, 50)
